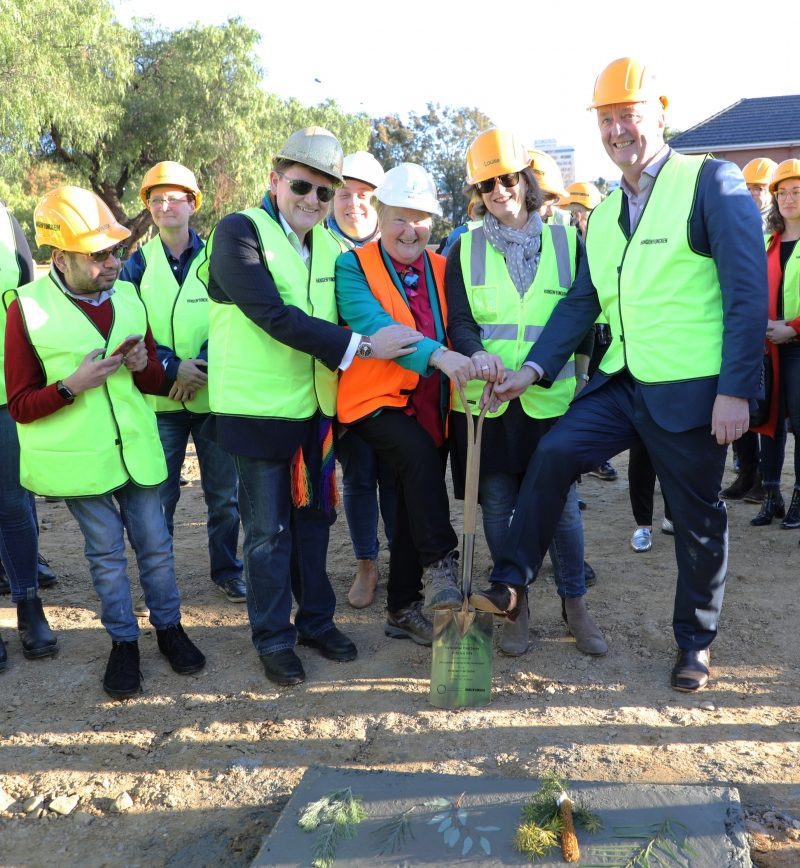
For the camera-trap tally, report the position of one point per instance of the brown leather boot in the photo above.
(514, 638)
(579, 622)
(362, 594)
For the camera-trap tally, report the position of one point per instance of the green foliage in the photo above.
(336, 816)
(534, 840)
(394, 833)
(437, 140)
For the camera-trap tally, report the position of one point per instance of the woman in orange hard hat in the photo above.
(783, 344)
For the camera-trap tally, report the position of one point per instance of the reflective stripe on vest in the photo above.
(9, 279)
(178, 316)
(511, 324)
(369, 385)
(108, 436)
(249, 372)
(662, 300)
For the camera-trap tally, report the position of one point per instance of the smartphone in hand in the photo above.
(126, 346)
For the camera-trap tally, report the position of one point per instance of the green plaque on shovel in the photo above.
(461, 666)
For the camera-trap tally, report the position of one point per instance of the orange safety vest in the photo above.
(369, 385)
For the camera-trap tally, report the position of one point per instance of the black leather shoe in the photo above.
(589, 575)
(3, 655)
(332, 644)
(38, 640)
(283, 667)
(123, 677)
(690, 672)
(499, 599)
(183, 655)
(45, 575)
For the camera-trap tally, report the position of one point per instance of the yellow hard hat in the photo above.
(547, 173)
(625, 80)
(316, 148)
(171, 174)
(582, 193)
(786, 169)
(494, 152)
(73, 219)
(759, 171)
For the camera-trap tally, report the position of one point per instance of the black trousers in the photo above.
(641, 486)
(422, 533)
(689, 465)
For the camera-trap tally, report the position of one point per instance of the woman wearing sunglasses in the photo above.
(783, 329)
(400, 407)
(503, 280)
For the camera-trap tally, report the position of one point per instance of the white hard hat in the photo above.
(362, 166)
(409, 186)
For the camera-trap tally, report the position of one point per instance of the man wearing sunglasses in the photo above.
(275, 348)
(676, 262)
(164, 270)
(85, 431)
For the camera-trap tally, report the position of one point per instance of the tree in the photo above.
(437, 140)
(193, 95)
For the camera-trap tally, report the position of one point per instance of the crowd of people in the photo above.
(318, 326)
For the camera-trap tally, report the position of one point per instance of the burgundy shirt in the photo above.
(29, 398)
(425, 403)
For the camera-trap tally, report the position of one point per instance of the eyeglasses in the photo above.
(410, 279)
(100, 256)
(303, 188)
(789, 194)
(170, 200)
(511, 179)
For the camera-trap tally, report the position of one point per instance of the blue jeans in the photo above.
(284, 556)
(219, 484)
(773, 449)
(19, 539)
(103, 526)
(362, 471)
(498, 497)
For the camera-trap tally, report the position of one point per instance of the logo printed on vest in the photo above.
(555, 292)
(325, 279)
(654, 241)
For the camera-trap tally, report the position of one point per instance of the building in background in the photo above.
(564, 155)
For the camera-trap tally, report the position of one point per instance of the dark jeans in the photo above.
(362, 472)
(746, 450)
(773, 449)
(422, 533)
(641, 486)
(219, 483)
(689, 464)
(284, 556)
(19, 539)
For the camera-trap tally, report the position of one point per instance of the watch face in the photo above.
(364, 350)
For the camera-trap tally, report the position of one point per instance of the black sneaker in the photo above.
(184, 657)
(123, 678)
(234, 589)
(605, 471)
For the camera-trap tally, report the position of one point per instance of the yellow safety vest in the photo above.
(791, 285)
(510, 324)
(108, 436)
(9, 279)
(249, 372)
(178, 316)
(662, 299)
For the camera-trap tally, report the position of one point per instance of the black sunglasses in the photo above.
(511, 179)
(100, 256)
(303, 188)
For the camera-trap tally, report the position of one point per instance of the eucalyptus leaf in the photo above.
(467, 845)
(485, 845)
(446, 824)
(451, 836)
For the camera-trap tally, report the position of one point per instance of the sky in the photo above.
(529, 66)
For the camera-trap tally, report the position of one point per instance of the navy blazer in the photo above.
(726, 225)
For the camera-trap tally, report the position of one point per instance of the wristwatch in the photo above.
(66, 393)
(364, 350)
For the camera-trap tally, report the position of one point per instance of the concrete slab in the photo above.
(490, 816)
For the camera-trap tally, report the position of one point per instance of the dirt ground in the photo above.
(208, 761)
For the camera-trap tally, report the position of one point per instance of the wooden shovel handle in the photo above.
(473, 463)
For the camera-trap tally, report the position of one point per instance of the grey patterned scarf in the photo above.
(521, 248)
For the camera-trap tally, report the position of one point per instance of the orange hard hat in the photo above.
(76, 220)
(787, 169)
(582, 193)
(547, 173)
(495, 152)
(759, 171)
(625, 80)
(170, 174)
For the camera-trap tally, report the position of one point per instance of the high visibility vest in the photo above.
(178, 316)
(108, 436)
(369, 385)
(509, 324)
(249, 372)
(790, 286)
(662, 299)
(9, 279)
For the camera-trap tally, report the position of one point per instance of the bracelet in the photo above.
(584, 377)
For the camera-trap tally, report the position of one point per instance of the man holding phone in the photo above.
(164, 270)
(85, 431)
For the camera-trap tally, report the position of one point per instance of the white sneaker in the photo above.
(642, 539)
(140, 607)
(668, 527)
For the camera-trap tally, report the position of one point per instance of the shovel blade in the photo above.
(461, 662)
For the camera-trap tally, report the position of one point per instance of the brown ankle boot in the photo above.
(514, 639)
(362, 594)
(587, 634)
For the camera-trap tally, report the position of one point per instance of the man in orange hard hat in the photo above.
(687, 311)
